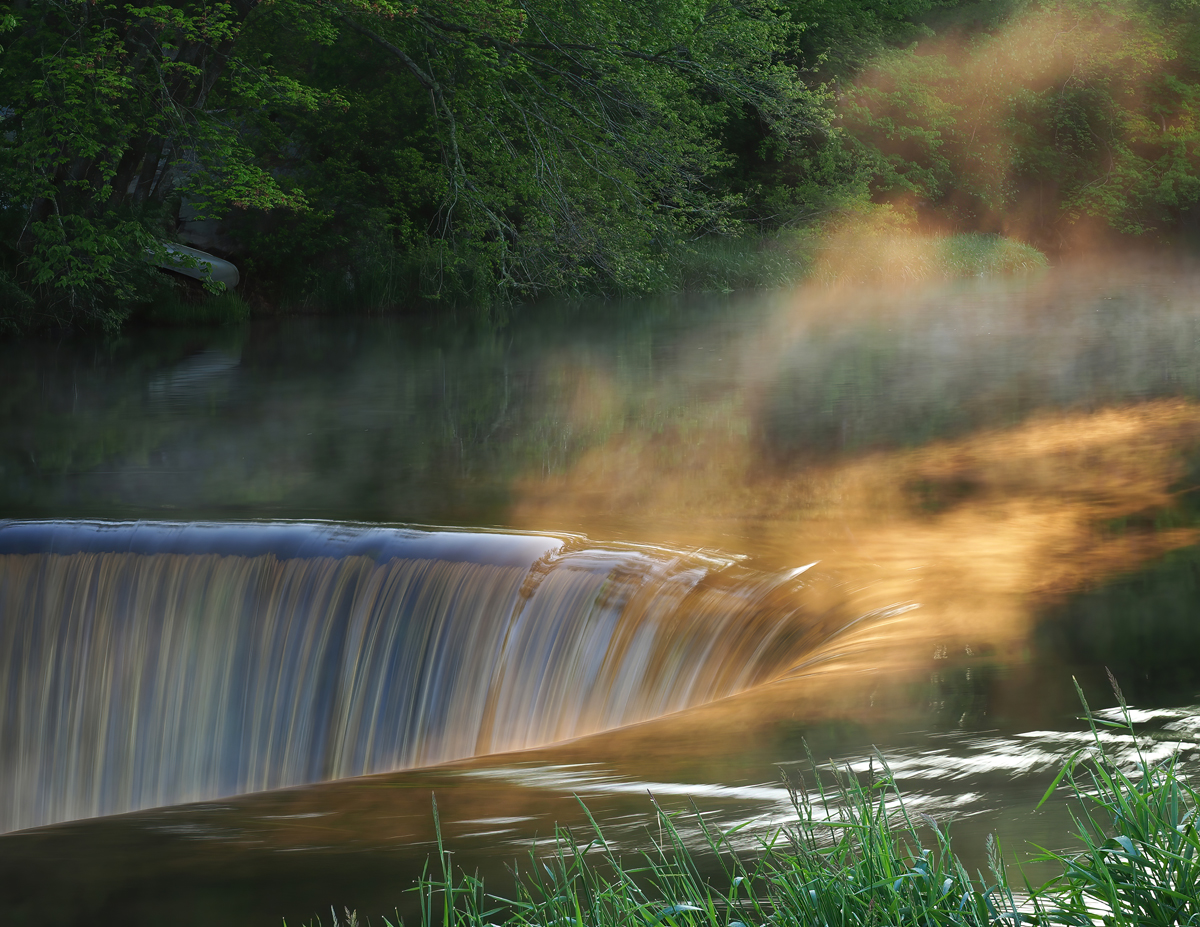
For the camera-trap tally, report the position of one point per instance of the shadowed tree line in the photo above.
(370, 154)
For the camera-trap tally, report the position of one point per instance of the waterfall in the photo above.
(150, 664)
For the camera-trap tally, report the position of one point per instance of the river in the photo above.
(266, 591)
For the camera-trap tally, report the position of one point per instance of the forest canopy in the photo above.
(457, 151)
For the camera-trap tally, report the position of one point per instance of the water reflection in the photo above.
(1143, 628)
(382, 420)
(201, 379)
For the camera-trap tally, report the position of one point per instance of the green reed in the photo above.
(1140, 863)
(857, 857)
(178, 306)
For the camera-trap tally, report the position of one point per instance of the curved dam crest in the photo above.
(150, 664)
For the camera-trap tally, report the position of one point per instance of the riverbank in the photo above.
(856, 250)
(859, 856)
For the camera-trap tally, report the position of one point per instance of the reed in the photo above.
(719, 264)
(178, 306)
(856, 857)
(1140, 859)
(881, 255)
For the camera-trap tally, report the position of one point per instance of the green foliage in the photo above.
(841, 36)
(518, 146)
(1066, 111)
(540, 146)
(17, 306)
(1140, 858)
(369, 155)
(724, 264)
(107, 120)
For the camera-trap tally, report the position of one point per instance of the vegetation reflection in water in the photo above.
(381, 421)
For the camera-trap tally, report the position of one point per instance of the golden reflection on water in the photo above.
(976, 531)
(979, 530)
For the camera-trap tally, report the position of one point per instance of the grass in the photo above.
(854, 858)
(1140, 858)
(876, 257)
(977, 254)
(881, 245)
(181, 306)
(857, 858)
(722, 265)
(857, 252)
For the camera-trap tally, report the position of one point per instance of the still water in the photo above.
(681, 539)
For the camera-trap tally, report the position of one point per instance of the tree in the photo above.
(106, 117)
(553, 140)
(1069, 111)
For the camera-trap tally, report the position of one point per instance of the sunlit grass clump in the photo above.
(980, 255)
(857, 857)
(876, 250)
(879, 245)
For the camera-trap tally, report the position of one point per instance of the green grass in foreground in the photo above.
(857, 858)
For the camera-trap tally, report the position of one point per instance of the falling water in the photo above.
(152, 664)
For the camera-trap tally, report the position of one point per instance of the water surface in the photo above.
(995, 478)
